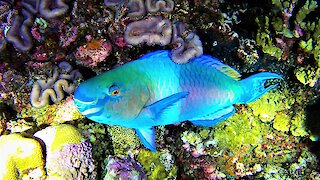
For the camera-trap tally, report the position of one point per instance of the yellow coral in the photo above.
(55, 137)
(19, 155)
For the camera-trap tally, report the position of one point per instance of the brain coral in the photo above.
(55, 86)
(19, 155)
(25, 12)
(158, 30)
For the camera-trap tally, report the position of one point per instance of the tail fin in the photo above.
(254, 86)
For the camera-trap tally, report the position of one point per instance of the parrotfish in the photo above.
(154, 90)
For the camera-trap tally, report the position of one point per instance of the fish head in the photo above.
(115, 97)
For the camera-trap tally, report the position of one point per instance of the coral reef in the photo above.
(275, 137)
(278, 36)
(63, 111)
(55, 86)
(13, 88)
(123, 168)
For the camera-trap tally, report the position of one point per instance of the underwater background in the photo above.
(48, 47)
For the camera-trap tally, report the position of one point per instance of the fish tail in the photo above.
(254, 86)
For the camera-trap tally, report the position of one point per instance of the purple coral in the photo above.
(153, 30)
(74, 161)
(123, 168)
(55, 86)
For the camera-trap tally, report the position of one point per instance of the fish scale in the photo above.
(154, 90)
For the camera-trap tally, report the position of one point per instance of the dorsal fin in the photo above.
(217, 64)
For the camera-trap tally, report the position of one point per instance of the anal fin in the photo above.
(147, 137)
(214, 118)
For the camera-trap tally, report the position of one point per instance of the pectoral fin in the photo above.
(159, 107)
(147, 137)
(214, 118)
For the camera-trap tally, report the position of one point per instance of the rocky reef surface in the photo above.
(48, 47)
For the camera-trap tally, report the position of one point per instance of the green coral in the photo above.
(123, 140)
(98, 136)
(192, 138)
(159, 165)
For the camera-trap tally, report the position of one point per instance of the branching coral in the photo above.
(55, 86)
(292, 24)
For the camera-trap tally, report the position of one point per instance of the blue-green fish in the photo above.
(154, 90)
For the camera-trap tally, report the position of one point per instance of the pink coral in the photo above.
(93, 52)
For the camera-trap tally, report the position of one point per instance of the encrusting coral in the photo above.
(55, 86)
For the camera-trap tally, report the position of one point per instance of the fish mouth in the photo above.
(91, 111)
(94, 102)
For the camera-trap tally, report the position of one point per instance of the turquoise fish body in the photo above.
(154, 90)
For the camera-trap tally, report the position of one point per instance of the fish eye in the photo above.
(114, 90)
